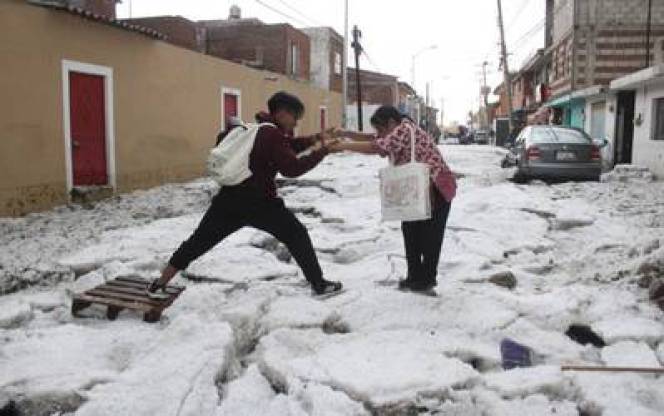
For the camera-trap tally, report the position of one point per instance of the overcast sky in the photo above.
(465, 32)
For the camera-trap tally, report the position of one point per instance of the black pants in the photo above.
(236, 207)
(423, 241)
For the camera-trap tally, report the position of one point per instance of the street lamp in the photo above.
(412, 73)
(412, 67)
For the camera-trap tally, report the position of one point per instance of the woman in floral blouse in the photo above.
(422, 239)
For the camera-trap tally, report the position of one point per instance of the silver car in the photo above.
(554, 152)
(482, 137)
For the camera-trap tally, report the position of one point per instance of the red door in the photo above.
(323, 116)
(230, 107)
(88, 129)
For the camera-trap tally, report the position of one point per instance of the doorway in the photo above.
(88, 120)
(230, 106)
(88, 129)
(624, 127)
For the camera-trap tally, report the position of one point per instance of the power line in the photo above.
(281, 13)
(376, 67)
(314, 21)
(522, 7)
(531, 31)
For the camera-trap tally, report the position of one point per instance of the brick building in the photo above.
(326, 60)
(377, 88)
(596, 41)
(178, 30)
(530, 87)
(502, 105)
(278, 48)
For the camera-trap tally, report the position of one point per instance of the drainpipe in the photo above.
(648, 30)
(575, 22)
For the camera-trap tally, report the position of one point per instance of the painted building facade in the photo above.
(91, 103)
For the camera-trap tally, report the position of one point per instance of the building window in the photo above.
(294, 60)
(658, 133)
(337, 63)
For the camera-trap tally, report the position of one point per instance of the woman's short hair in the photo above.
(285, 101)
(385, 113)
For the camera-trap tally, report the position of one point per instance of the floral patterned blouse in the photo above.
(397, 146)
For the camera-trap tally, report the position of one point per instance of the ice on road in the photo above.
(520, 261)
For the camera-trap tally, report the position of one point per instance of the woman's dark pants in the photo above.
(423, 241)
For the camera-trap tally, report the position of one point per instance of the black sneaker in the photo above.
(327, 288)
(423, 287)
(412, 284)
(405, 284)
(156, 291)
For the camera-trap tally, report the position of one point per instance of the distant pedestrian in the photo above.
(422, 239)
(232, 123)
(255, 203)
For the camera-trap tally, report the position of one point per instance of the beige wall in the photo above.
(646, 151)
(167, 103)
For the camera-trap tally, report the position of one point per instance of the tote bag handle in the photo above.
(412, 142)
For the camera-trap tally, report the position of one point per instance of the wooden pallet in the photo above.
(125, 293)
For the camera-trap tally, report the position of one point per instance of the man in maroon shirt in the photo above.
(255, 203)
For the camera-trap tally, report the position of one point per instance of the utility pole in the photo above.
(344, 71)
(357, 34)
(506, 71)
(648, 30)
(442, 114)
(485, 91)
(426, 109)
(481, 112)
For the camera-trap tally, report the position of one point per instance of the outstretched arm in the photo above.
(366, 147)
(353, 135)
(302, 143)
(291, 165)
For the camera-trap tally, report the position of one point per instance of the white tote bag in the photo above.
(404, 189)
(228, 163)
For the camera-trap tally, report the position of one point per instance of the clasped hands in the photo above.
(330, 139)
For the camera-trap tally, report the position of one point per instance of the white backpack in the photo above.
(228, 163)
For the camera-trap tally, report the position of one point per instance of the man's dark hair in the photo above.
(285, 101)
(385, 113)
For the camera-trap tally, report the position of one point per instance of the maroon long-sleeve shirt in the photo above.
(275, 152)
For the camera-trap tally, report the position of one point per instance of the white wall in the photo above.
(319, 63)
(648, 152)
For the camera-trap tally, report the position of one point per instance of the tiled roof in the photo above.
(86, 14)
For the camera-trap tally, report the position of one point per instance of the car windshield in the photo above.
(558, 135)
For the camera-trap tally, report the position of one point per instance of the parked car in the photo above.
(553, 152)
(482, 137)
(466, 139)
(450, 140)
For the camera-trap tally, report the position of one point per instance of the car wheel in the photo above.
(519, 177)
